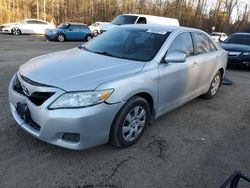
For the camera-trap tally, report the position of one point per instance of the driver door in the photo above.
(28, 27)
(176, 80)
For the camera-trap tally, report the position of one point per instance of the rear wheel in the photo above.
(88, 37)
(214, 86)
(16, 31)
(60, 38)
(130, 123)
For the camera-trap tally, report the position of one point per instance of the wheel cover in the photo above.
(133, 123)
(215, 84)
(61, 38)
(89, 38)
(15, 31)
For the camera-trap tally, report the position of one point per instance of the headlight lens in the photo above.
(81, 99)
(246, 53)
(7, 28)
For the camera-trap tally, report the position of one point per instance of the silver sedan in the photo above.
(110, 88)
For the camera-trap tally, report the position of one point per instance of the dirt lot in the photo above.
(197, 145)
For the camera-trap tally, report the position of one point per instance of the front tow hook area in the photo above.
(23, 111)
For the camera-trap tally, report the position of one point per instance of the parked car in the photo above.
(27, 26)
(218, 36)
(96, 27)
(125, 19)
(238, 47)
(69, 31)
(109, 89)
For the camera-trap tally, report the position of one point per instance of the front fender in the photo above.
(127, 87)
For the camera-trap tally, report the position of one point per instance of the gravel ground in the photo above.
(197, 145)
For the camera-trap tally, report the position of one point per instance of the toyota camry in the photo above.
(109, 89)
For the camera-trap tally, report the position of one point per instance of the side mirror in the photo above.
(175, 57)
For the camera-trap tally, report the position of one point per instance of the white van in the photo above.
(124, 19)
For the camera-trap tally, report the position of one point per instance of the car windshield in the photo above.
(238, 39)
(63, 26)
(128, 43)
(124, 19)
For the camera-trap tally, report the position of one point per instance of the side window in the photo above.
(29, 22)
(212, 46)
(38, 22)
(182, 43)
(83, 27)
(75, 27)
(142, 20)
(202, 43)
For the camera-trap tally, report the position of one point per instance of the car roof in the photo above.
(101, 22)
(219, 33)
(75, 23)
(160, 28)
(241, 33)
(35, 20)
(145, 15)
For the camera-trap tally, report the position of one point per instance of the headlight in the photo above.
(81, 99)
(7, 28)
(246, 53)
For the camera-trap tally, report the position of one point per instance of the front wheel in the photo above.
(214, 86)
(16, 31)
(60, 38)
(130, 123)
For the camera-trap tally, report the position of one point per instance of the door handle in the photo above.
(195, 64)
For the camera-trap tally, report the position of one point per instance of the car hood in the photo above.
(53, 29)
(107, 26)
(235, 47)
(9, 24)
(76, 69)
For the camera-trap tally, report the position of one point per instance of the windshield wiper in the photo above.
(105, 53)
(102, 53)
(84, 48)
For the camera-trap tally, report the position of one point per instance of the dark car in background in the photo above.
(69, 31)
(238, 47)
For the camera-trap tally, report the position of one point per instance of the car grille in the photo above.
(37, 98)
(232, 53)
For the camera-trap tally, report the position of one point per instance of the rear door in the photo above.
(84, 29)
(206, 55)
(176, 80)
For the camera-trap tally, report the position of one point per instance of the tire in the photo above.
(15, 31)
(127, 127)
(95, 33)
(214, 86)
(88, 37)
(60, 38)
